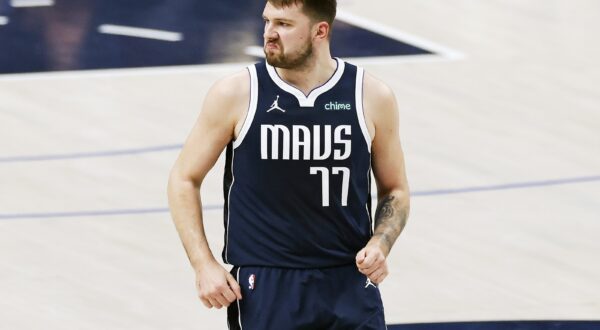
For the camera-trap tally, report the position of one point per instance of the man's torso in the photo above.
(297, 177)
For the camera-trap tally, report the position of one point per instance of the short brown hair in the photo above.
(316, 10)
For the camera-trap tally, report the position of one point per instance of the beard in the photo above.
(289, 61)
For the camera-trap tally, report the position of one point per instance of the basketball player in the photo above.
(302, 133)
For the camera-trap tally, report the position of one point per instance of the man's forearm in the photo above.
(186, 211)
(390, 218)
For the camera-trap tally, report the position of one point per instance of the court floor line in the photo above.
(399, 35)
(502, 325)
(138, 32)
(204, 68)
(516, 185)
(90, 154)
(31, 3)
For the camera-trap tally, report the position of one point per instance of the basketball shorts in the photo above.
(336, 298)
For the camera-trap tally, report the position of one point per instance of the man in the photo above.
(302, 132)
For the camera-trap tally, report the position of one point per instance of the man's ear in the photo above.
(321, 30)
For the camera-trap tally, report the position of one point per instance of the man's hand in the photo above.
(371, 262)
(216, 286)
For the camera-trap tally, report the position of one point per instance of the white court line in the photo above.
(31, 3)
(140, 32)
(199, 68)
(387, 31)
(3, 20)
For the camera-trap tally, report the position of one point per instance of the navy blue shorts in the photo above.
(311, 299)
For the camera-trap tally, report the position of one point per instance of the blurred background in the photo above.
(500, 125)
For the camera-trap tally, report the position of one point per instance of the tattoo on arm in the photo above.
(390, 219)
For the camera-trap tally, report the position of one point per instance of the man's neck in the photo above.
(310, 76)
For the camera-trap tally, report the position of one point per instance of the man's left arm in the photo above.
(387, 162)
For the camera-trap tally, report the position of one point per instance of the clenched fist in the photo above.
(371, 261)
(216, 287)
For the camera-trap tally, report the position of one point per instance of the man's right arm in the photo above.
(225, 103)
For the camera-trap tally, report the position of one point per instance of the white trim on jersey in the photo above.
(251, 106)
(360, 112)
(304, 100)
(369, 200)
(238, 301)
(228, 208)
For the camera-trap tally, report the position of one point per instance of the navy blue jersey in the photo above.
(297, 178)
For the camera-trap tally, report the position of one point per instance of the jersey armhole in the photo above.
(251, 106)
(360, 112)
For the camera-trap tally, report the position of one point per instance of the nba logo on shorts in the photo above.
(251, 281)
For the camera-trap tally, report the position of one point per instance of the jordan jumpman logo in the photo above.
(275, 105)
(369, 283)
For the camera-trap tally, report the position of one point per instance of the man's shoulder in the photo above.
(228, 96)
(379, 100)
(376, 88)
(376, 92)
(235, 85)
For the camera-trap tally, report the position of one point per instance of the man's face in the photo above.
(287, 38)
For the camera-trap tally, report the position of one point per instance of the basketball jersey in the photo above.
(297, 178)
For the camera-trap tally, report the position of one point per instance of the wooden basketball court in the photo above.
(500, 129)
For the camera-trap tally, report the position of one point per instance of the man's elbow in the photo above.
(399, 192)
(179, 181)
